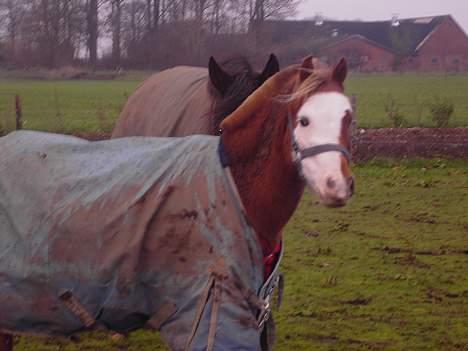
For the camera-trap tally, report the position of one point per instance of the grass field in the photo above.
(65, 106)
(387, 272)
(412, 93)
(92, 106)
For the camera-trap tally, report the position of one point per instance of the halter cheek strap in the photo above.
(314, 150)
(300, 154)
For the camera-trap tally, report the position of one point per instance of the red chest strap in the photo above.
(269, 261)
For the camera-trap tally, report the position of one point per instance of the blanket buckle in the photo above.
(264, 313)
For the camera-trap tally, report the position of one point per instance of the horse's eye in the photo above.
(304, 121)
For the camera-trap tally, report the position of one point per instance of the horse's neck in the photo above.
(267, 180)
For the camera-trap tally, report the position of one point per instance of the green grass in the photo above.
(387, 272)
(65, 106)
(412, 93)
(93, 106)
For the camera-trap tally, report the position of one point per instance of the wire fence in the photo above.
(7, 112)
(55, 110)
(365, 143)
(12, 115)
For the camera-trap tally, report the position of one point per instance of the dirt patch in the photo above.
(422, 252)
(363, 301)
(411, 142)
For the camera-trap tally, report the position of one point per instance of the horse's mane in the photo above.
(315, 78)
(245, 82)
(284, 87)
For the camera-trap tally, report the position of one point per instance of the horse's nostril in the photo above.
(331, 183)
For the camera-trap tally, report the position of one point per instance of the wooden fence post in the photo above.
(354, 132)
(19, 113)
(6, 341)
(354, 105)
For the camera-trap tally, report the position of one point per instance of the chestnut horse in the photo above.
(291, 132)
(183, 100)
(258, 137)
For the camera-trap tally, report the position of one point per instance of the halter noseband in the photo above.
(300, 154)
(314, 150)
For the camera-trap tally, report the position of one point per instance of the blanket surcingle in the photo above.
(123, 234)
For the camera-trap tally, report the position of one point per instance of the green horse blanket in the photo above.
(124, 234)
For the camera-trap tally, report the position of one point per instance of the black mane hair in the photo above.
(245, 82)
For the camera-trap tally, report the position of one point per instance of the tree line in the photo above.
(131, 33)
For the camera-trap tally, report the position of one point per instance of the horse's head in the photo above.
(236, 75)
(233, 81)
(321, 129)
(296, 123)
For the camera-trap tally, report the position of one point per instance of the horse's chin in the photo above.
(334, 203)
(329, 201)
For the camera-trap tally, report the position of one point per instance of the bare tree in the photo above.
(156, 14)
(200, 7)
(279, 8)
(92, 24)
(133, 22)
(149, 16)
(143, 33)
(11, 15)
(116, 14)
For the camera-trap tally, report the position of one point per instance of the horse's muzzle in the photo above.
(333, 198)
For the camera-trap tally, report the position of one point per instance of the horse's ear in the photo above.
(306, 66)
(341, 71)
(220, 79)
(271, 68)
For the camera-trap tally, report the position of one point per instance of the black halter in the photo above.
(314, 150)
(300, 154)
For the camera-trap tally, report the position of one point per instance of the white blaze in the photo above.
(325, 112)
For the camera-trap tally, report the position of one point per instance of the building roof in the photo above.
(402, 36)
(356, 37)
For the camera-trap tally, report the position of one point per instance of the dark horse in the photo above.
(183, 100)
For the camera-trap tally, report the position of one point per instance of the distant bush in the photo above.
(441, 110)
(392, 109)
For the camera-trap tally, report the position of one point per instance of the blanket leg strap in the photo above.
(200, 308)
(72, 303)
(214, 316)
(6, 342)
(164, 313)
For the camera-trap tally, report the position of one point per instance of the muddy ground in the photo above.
(411, 142)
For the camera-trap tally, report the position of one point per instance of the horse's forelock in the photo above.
(314, 81)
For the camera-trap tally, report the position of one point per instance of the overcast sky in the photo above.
(383, 10)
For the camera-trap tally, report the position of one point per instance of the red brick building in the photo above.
(444, 49)
(425, 44)
(363, 55)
